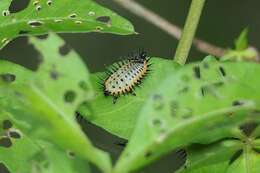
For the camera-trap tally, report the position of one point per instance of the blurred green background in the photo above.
(220, 24)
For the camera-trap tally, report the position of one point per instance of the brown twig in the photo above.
(168, 27)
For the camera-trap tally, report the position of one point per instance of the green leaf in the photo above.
(120, 118)
(208, 157)
(26, 155)
(40, 17)
(249, 162)
(46, 100)
(241, 43)
(199, 103)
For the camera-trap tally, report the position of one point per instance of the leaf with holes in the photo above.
(42, 157)
(204, 103)
(40, 16)
(224, 156)
(120, 118)
(48, 98)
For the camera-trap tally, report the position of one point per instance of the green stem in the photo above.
(189, 31)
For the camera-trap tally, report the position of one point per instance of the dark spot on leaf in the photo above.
(22, 32)
(237, 103)
(235, 156)
(148, 154)
(5, 142)
(3, 168)
(196, 70)
(69, 96)
(83, 85)
(205, 65)
(35, 23)
(184, 90)
(202, 89)
(54, 74)
(18, 5)
(104, 19)
(158, 101)
(7, 77)
(174, 107)
(7, 124)
(218, 84)
(248, 128)
(15, 134)
(43, 37)
(71, 154)
(64, 49)
(222, 71)
(157, 122)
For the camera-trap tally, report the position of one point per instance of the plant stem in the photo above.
(189, 31)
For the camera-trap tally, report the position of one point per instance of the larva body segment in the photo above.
(126, 75)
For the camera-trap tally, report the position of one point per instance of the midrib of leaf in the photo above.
(247, 158)
(187, 123)
(51, 104)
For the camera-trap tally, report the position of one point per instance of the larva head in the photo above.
(140, 57)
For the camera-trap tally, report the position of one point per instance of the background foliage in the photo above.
(203, 111)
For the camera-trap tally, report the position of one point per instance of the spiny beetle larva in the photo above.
(123, 76)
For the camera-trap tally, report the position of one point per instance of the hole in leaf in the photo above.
(3, 168)
(22, 32)
(71, 154)
(69, 96)
(43, 37)
(15, 134)
(103, 19)
(78, 22)
(35, 23)
(49, 2)
(73, 15)
(222, 71)
(38, 8)
(99, 28)
(5, 142)
(64, 49)
(5, 13)
(196, 71)
(83, 85)
(237, 103)
(18, 5)
(35, 3)
(7, 77)
(7, 124)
